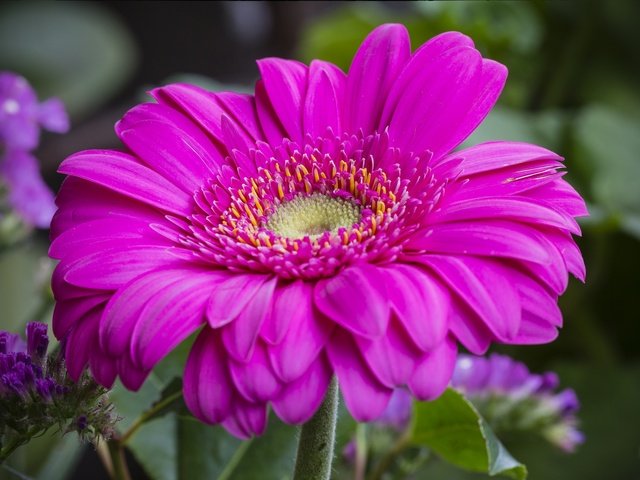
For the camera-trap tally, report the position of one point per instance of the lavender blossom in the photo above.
(512, 398)
(36, 394)
(21, 117)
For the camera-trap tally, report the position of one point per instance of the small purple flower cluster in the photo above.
(21, 117)
(22, 367)
(510, 397)
(36, 393)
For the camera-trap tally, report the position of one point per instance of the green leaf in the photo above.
(608, 141)
(155, 448)
(452, 427)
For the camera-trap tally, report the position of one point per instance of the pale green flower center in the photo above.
(311, 216)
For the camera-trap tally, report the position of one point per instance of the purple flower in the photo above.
(21, 117)
(502, 387)
(322, 226)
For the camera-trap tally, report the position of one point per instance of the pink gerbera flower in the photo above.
(319, 227)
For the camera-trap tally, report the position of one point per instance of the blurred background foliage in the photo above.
(574, 87)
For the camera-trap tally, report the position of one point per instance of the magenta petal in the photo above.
(469, 329)
(426, 53)
(535, 330)
(104, 369)
(208, 390)
(519, 209)
(356, 298)
(246, 419)
(492, 238)
(495, 155)
(131, 375)
(434, 371)
(82, 339)
(432, 112)
(285, 82)
(487, 290)
(123, 310)
(392, 357)
(374, 69)
(305, 338)
(122, 173)
(240, 336)
(269, 121)
(113, 268)
(421, 303)
(291, 305)
(255, 379)
(365, 397)
(300, 399)
(67, 313)
(323, 103)
(231, 297)
(169, 318)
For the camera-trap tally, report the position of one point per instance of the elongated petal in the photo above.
(208, 391)
(434, 371)
(301, 398)
(122, 173)
(365, 397)
(421, 303)
(356, 299)
(230, 297)
(323, 103)
(374, 69)
(240, 336)
(255, 379)
(285, 82)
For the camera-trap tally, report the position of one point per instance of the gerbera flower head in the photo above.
(322, 226)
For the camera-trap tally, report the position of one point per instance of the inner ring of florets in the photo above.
(304, 213)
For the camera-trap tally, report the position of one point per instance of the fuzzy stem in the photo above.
(317, 438)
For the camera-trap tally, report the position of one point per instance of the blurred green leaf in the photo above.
(503, 123)
(74, 50)
(608, 142)
(155, 448)
(452, 428)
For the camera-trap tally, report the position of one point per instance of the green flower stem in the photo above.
(119, 470)
(317, 439)
(142, 419)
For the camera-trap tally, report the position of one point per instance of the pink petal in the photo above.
(487, 291)
(492, 238)
(246, 419)
(495, 155)
(122, 173)
(240, 336)
(356, 298)
(169, 318)
(303, 341)
(520, 209)
(434, 371)
(132, 376)
(82, 339)
(67, 313)
(285, 82)
(365, 397)
(535, 331)
(113, 268)
(374, 69)
(432, 113)
(421, 303)
(208, 391)
(431, 50)
(231, 297)
(300, 399)
(291, 305)
(269, 121)
(392, 357)
(124, 308)
(323, 103)
(255, 380)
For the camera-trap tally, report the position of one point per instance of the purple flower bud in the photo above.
(37, 340)
(82, 423)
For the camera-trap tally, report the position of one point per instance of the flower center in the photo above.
(312, 215)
